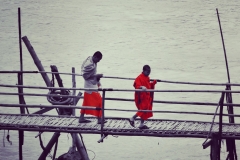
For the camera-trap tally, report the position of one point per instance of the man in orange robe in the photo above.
(91, 80)
(143, 100)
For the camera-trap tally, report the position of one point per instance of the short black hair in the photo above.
(146, 67)
(98, 54)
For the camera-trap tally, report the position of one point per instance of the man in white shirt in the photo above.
(91, 80)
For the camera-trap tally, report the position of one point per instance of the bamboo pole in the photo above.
(43, 110)
(59, 80)
(125, 78)
(36, 94)
(96, 108)
(124, 99)
(220, 125)
(49, 146)
(80, 147)
(73, 110)
(10, 72)
(126, 90)
(19, 38)
(48, 106)
(36, 60)
(74, 91)
(76, 142)
(232, 154)
(166, 81)
(225, 55)
(20, 90)
(214, 155)
(103, 117)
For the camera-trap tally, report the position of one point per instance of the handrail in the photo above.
(122, 99)
(125, 78)
(96, 108)
(48, 106)
(111, 89)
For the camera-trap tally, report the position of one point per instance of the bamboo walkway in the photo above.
(117, 126)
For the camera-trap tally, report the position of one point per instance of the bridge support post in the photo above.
(231, 148)
(81, 149)
(214, 151)
(230, 143)
(76, 140)
(36, 60)
(49, 146)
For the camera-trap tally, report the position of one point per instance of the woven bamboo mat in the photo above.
(116, 126)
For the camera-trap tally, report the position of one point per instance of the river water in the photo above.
(180, 40)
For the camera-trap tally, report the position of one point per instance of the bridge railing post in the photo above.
(220, 124)
(231, 146)
(103, 117)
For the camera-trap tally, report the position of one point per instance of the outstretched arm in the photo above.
(153, 84)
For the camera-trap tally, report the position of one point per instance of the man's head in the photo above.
(97, 56)
(146, 70)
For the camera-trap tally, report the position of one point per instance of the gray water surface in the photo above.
(180, 40)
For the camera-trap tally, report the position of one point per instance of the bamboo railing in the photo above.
(125, 78)
(218, 112)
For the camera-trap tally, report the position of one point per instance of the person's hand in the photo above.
(98, 76)
(154, 82)
(99, 85)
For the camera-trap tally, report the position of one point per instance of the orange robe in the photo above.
(94, 100)
(143, 100)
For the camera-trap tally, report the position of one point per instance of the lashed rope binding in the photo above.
(60, 100)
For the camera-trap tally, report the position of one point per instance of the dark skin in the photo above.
(146, 72)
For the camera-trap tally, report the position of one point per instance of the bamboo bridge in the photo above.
(64, 100)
